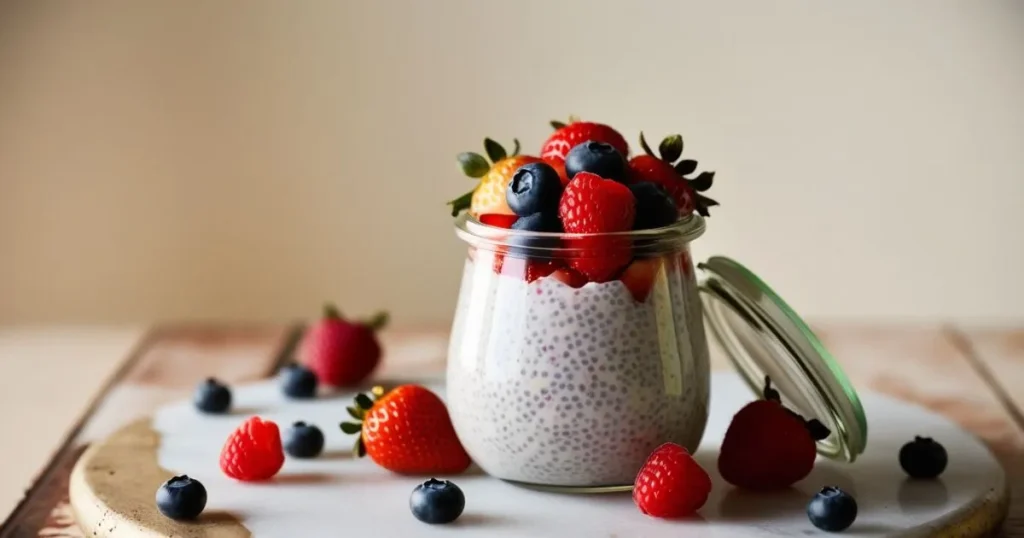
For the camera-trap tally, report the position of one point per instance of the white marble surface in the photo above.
(337, 495)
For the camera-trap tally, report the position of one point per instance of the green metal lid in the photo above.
(763, 336)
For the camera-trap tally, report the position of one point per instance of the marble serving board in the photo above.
(113, 484)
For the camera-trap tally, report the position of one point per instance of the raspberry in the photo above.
(253, 451)
(599, 258)
(592, 204)
(671, 484)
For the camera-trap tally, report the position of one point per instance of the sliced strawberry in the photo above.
(599, 258)
(528, 270)
(498, 220)
(570, 277)
(640, 276)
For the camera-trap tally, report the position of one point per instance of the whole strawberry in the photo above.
(253, 452)
(568, 136)
(594, 205)
(488, 197)
(342, 353)
(671, 484)
(660, 170)
(407, 431)
(768, 447)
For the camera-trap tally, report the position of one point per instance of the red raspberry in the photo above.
(592, 204)
(671, 484)
(253, 451)
(599, 258)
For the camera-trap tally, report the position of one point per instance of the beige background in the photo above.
(249, 159)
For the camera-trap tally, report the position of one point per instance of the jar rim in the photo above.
(681, 232)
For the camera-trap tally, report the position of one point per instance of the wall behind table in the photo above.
(235, 160)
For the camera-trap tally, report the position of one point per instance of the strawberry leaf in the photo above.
(685, 166)
(671, 148)
(461, 203)
(494, 150)
(354, 413)
(556, 125)
(364, 401)
(515, 149)
(703, 181)
(703, 203)
(473, 165)
(818, 430)
(359, 449)
(643, 144)
(351, 427)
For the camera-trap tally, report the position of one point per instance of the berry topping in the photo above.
(558, 164)
(537, 222)
(661, 170)
(768, 447)
(592, 204)
(654, 207)
(597, 158)
(212, 397)
(832, 509)
(407, 431)
(599, 258)
(569, 277)
(640, 276)
(341, 352)
(303, 440)
(298, 382)
(499, 221)
(253, 452)
(535, 188)
(181, 498)
(489, 195)
(528, 270)
(671, 484)
(577, 132)
(437, 502)
(923, 458)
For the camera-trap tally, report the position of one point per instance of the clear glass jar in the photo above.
(554, 383)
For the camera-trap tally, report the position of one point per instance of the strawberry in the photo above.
(661, 171)
(671, 484)
(768, 447)
(639, 277)
(576, 132)
(569, 277)
(407, 431)
(253, 451)
(489, 195)
(558, 164)
(593, 205)
(526, 269)
(497, 220)
(342, 353)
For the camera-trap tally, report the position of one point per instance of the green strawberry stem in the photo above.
(671, 148)
(769, 393)
(643, 144)
(473, 164)
(331, 312)
(378, 321)
(462, 203)
(363, 404)
(814, 426)
(494, 150)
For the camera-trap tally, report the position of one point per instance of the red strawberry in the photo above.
(340, 352)
(568, 136)
(671, 484)
(253, 451)
(768, 447)
(593, 205)
(639, 277)
(500, 221)
(662, 171)
(570, 277)
(558, 164)
(407, 431)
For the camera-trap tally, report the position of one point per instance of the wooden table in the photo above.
(65, 387)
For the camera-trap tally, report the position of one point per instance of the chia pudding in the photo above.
(555, 385)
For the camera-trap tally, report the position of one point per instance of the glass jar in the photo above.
(569, 384)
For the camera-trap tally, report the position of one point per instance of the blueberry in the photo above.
(534, 188)
(212, 397)
(181, 498)
(654, 207)
(537, 222)
(437, 501)
(303, 441)
(832, 509)
(297, 381)
(923, 458)
(597, 158)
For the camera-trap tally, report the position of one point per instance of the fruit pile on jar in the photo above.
(767, 447)
(585, 182)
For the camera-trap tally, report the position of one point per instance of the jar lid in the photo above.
(763, 336)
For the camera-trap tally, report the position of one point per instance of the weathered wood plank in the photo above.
(164, 367)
